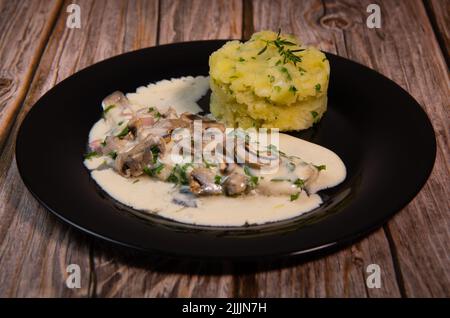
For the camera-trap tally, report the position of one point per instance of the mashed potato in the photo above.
(259, 84)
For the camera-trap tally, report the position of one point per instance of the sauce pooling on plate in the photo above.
(209, 195)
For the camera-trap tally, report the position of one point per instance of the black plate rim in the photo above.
(341, 241)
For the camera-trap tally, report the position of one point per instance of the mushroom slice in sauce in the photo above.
(202, 182)
(235, 184)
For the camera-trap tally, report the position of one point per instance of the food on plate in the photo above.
(134, 156)
(272, 80)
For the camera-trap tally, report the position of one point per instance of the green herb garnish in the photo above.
(113, 155)
(155, 170)
(241, 59)
(291, 166)
(280, 180)
(300, 183)
(124, 132)
(209, 165)
(91, 155)
(295, 196)
(285, 71)
(107, 109)
(253, 180)
(277, 88)
(151, 109)
(317, 87)
(218, 179)
(271, 78)
(293, 89)
(280, 44)
(321, 167)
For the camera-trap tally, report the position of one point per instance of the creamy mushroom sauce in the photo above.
(149, 194)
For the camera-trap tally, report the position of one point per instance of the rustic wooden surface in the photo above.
(37, 51)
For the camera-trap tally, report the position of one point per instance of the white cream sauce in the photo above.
(147, 194)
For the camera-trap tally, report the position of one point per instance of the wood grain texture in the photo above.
(404, 51)
(125, 274)
(199, 20)
(35, 248)
(25, 29)
(439, 14)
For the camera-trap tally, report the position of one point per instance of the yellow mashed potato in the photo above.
(259, 84)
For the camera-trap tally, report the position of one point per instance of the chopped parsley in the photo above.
(300, 183)
(151, 109)
(218, 179)
(321, 167)
(280, 180)
(285, 71)
(295, 196)
(253, 180)
(155, 152)
(179, 174)
(271, 78)
(241, 59)
(293, 89)
(124, 132)
(277, 88)
(113, 154)
(107, 109)
(317, 87)
(291, 166)
(91, 155)
(314, 114)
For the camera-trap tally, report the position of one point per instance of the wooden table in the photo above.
(37, 51)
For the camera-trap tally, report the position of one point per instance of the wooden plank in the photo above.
(342, 274)
(25, 26)
(419, 234)
(200, 20)
(36, 248)
(439, 14)
(135, 275)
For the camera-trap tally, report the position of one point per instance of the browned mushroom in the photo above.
(235, 184)
(202, 182)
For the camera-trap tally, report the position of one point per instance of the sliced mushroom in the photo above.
(202, 182)
(235, 184)
(133, 161)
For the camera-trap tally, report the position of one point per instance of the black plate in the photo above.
(380, 132)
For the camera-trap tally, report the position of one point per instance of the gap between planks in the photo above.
(11, 112)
